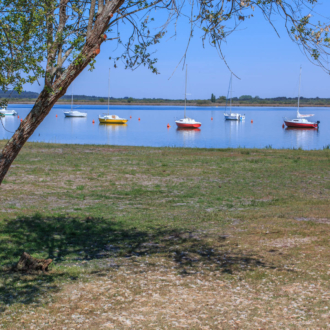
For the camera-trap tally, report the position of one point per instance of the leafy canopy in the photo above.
(40, 37)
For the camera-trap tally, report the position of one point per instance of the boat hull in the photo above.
(113, 121)
(67, 114)
(235, 116)
(301, 125)
(181, 125)
(8, 112)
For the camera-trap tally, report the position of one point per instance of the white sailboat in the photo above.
(74, 113)
(187, 122)
(111, 119)
(8, 112)
(232, 115)
(300, 121)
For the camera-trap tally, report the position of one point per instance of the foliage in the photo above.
(245, 97)
(22, 42)
(31, 96)
(55, 31)
(213, 98)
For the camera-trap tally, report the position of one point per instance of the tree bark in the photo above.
(28, 263)
(49, 96)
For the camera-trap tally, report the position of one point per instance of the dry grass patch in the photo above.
(159, 238)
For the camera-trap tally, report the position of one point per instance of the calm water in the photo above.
(151, 130)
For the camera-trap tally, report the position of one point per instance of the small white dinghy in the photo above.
(74, 113)
(232, 115)
(8, 112)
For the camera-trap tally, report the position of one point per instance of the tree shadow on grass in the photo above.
(71, 240)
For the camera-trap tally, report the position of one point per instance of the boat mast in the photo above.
(185, 93)
(299, 94)
(71, 97)
(109, 92)
(231, 90)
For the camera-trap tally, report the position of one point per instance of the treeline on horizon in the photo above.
(13, 96)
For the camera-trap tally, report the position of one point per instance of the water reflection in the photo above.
(301, 137)
(8, 126)
(233, 131)
(75, 123)
(188, 135)
(113, 131)
(188, 130)
(151, 130)
(112, 127)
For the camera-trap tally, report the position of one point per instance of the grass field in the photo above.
(161, 238)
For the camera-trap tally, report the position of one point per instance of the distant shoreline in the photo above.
(275, 105)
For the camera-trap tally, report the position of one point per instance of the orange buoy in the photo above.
(139, 119)
(168, 126)
(130, 117)
(282, 125)
(211, 118)
(17, 117)
(93, 121)
(56, 116)
(21, 120)
(251, 121)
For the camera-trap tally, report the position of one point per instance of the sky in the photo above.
(268, 66)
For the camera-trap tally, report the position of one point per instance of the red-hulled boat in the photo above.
(301, 123)
(188, 123)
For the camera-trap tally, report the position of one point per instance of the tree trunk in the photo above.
(28, 263)
(48, 97)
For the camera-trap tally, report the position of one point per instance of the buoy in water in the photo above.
(17, 117)
(139, 119)
(130, 117)
(211, 118)
(282, 125)
(251, 121)
(21, 120)
(56, 116)
(168, 126)
(93, 121)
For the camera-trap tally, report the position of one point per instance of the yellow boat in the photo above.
(112, 119)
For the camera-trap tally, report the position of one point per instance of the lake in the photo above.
(265, 131)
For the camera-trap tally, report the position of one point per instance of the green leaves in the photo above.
(22, 43)
(35, 32)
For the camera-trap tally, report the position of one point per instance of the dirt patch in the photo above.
(288, 242)
(318, 220)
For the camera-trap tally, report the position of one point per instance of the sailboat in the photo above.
(300, 121)
(74, 113)
(187, 122)
(111, 119)
(232, 115)
(8, 112)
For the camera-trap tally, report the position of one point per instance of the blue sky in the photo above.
(267, 65)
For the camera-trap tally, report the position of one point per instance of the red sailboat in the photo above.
(300, 121)
(187, 122)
